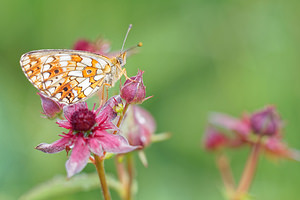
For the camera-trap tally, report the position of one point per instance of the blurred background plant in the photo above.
(261, 131)
(198, 57)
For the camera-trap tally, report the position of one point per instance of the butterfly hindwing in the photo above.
(67, 76)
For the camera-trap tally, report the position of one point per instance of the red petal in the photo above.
(114, 143)
(95, 146)
(55, 147)
(64, 123)
(79, 157)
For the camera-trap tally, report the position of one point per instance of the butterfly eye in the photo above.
(120, 60)
(89, 71)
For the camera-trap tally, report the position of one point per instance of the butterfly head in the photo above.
(122, 58)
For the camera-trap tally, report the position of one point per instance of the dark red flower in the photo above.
(87, 134)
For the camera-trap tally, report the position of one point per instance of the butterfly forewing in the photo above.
(66, 76)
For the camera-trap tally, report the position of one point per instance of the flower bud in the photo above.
(50, 107)
(134, 91)
(265, 122)
(138, 126)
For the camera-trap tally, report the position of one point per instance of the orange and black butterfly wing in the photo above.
(66, 76)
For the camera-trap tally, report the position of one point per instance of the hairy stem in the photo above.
(99, 163)
(130, 169)
(249, 170)
(122, 175)
(121, 170)
(226, 173)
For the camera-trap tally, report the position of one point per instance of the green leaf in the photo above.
(60, 185)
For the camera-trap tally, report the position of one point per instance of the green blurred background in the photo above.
(198, 56)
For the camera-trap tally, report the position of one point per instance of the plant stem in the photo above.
(226, 173)
(130, 169)
(99, 163)
(121, 170)
(122, 116)
(122, 175)
(249, 170)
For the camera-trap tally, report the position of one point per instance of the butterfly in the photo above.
(71, 76)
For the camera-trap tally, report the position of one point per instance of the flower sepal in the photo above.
(108, 156)
(51, 108)
(105, 156)
(143, 158)
(160, 137)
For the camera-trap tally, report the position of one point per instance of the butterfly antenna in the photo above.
(130, 25)
(133, 47)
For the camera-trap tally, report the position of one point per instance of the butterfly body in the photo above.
(70, 76)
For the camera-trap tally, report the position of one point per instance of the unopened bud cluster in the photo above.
(225, 131)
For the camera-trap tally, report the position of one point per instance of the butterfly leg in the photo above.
(124, 72)
(104, 93)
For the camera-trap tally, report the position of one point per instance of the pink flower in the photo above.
(50, 107)
(214, 139)
(138, 126)
(240, 126)
(87, 134)
(134, 91)
(101, 47)
(236, 131)
(266, 121)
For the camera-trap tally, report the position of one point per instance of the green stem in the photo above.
(99, 163)
(122, 116)
(249, 170)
